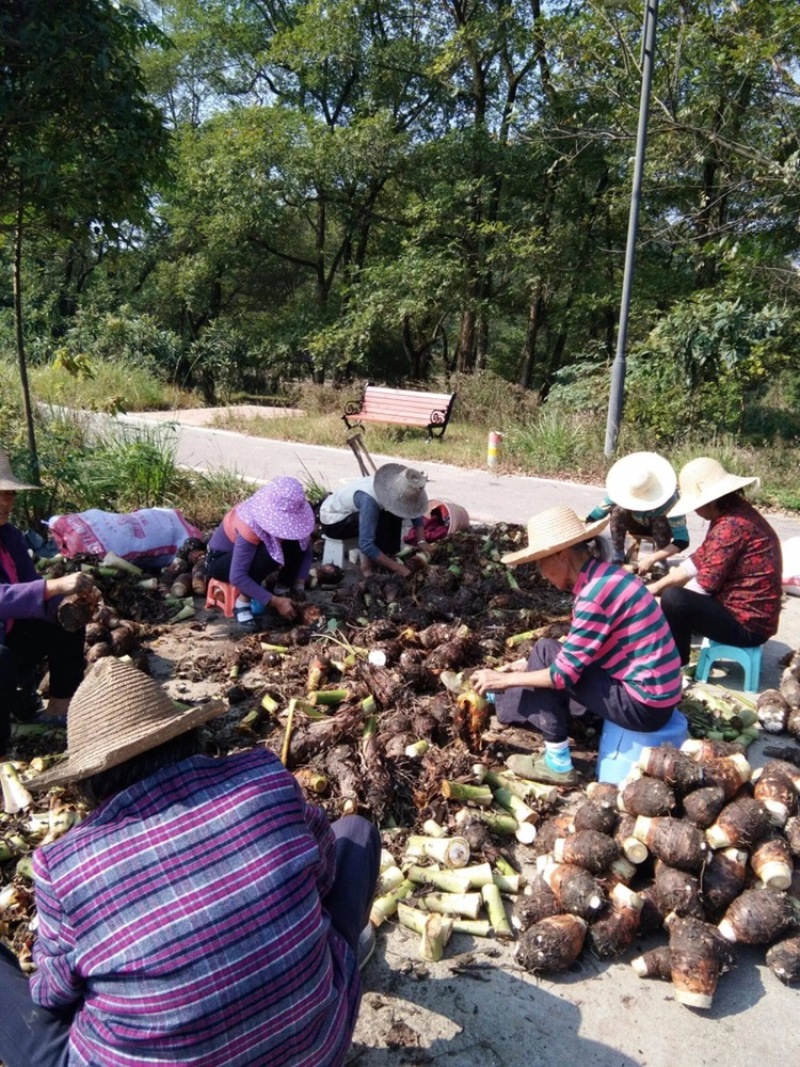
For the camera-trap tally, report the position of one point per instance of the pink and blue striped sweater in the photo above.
(618, 625)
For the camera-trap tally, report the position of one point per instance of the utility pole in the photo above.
(617, 393)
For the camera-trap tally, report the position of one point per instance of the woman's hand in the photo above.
(487, 680)
(76, 582)
(284, 607)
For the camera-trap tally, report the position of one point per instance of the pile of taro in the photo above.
(366, 698)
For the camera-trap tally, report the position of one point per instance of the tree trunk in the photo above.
(20, 341)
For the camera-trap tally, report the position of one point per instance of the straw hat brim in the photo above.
(621, 481)
(74, 768)
(530, 555)
(13, 485)
(730, 483)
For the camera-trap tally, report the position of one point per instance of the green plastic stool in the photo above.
(747, 658)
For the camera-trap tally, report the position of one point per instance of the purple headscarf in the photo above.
(278, 512)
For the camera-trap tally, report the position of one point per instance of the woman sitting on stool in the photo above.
(268, 532)
(729, 589)
(618, 660)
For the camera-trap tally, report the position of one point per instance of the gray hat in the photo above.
(401, 490)
(7, 479)
(118, 712)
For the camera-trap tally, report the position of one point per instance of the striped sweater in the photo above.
(618, 625)
(183, 920)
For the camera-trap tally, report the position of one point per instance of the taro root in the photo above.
(600, 815)
(702, 806)
(616, 931)
(671, 766)
(677, 891)
(772, 710)
(436, 634)
(576, 890)
(741, 823)
(722, 879)
(657, 963)
(774, 788)
(757, 917)
(551, 945)
(602, 791)
(77, 609)
(792, 832)
(697, 959)
(590, 849)
(123, 638)
(702, 749)
(632, 848)
(646, 796)
(728, 772)
(96, 632)
(650, 919)
(772, 863)
(182, 586)
(199, 580)
(537, 902)
(790, 688)
(674, 841)
(783, 959)
(99, 651)
(551, 830)
(793, 723)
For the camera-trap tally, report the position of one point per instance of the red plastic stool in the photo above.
(221, 595)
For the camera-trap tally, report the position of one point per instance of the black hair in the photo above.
(724, 502)
(99, 787)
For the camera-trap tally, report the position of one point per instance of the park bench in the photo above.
(404, 407)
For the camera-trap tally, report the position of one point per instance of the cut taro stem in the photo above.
(465, 905)
(15, 796)
(452, 852)
(475, 794)
(287, 736)
(384, 907)
(496, 911)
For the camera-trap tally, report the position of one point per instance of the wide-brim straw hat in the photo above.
(642, 481)
(7, 479)
(703, 480)
(118, 712)
(552, 530)
(401, 490)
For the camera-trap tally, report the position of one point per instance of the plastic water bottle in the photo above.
(489, 697)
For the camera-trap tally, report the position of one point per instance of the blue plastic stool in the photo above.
(620, 749)
(748, 658)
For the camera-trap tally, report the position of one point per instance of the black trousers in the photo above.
(218, 564)
(690, 613)
(29, 643)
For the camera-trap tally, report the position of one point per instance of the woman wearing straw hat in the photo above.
(618, 659)
(729, 589)
(203, 913)
(29, 629)
(267, 533)
(372, 509)
(640, 492)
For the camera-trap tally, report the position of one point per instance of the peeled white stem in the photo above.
(453, 852)
(16, 797)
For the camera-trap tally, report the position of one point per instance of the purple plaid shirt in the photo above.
(183, 920)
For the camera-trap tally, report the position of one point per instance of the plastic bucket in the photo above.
(620, 749)
(455, 517)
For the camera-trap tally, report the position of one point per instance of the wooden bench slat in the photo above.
(403, 407)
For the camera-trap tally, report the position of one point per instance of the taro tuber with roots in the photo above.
(600, 815)
(772, 710)
(632, 848)
(576, 890)
(551, 945)
(722, 879)
(783, 959)
(590, 849)
(757, 917)
(792, 832)
(77, 609)
(646, 796)
(702, 749)
(702, 806)
(537, 902)
(616, 931)
(728, 772)
(656, 963)
(674, 841)
(672, 766)
(697, 960)
(677, 891)
(772, 862)
(742, 822)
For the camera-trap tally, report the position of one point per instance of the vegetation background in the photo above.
(208, 201)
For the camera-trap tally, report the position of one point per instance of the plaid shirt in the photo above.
(182, 920)
(739, 564)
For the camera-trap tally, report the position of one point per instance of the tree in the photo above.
(79, 141)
